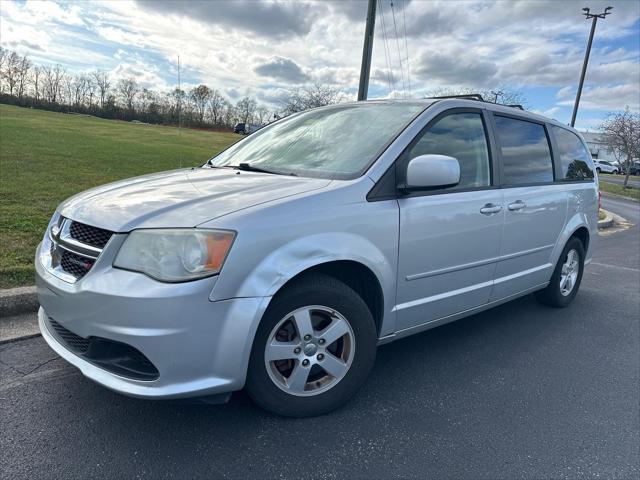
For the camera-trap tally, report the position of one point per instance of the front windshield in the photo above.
(337, 142)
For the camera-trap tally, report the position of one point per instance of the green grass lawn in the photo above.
(46, 157)
(630, 192)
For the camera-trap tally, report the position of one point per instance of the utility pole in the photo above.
(367, 50)
(595, 17)
(497, 94)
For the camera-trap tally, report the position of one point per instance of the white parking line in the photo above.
(615, 266)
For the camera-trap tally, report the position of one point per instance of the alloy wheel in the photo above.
(569, 273)
(310, 350)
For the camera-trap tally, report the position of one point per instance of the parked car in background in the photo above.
(284, 261)
(634, 169)
(246, 128)
(603, 166)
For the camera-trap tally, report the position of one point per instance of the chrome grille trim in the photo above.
(60, 248)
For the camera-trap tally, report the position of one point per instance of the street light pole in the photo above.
(367, 50)
(594, 17)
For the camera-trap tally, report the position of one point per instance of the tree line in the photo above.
(52, 87)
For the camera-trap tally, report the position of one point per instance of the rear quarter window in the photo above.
(575, 159)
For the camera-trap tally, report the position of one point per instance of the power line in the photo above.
(406, 47)
(404, 90)
(387, 54)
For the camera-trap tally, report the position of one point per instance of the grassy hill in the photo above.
(46, 157)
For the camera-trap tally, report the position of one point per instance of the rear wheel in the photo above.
(566, 277)
(313, 349)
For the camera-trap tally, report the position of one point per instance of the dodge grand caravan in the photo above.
(281, 263)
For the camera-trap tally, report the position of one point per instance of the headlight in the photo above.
(175, 255)
(45, 248)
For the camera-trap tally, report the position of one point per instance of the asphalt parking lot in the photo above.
(519, 391)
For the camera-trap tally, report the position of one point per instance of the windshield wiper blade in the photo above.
(251, 168)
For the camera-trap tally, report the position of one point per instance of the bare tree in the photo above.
(52, 82)
(23, 75)
(128, 89)
(621, 131)
(216, 107)
(229, 113)
(200, 96)
(102, 82)
(501, 95)
(4, 53)
(35, 76)
(51, 87)
(79, 86)
(246, 109)
(176, 100)
(312, 96)
(12, 71)
(262, 113)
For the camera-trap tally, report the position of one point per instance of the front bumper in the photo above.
(199, 347)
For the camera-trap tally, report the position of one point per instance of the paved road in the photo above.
(521, 391)
(633, 181)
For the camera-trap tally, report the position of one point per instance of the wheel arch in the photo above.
(582, 234)
(355, 275)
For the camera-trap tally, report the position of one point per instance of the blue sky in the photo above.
(267, 49)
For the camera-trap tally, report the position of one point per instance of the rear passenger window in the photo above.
(462, 136)
(526, 157)
(574, 157)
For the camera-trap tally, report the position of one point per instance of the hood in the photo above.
(180, 198)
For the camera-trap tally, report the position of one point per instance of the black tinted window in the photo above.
(459, 135)
(574, 157)
(526, 157)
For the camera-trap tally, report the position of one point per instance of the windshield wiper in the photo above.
(251, 168)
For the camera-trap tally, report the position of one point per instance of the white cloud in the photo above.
(264, 49)
(608, 98)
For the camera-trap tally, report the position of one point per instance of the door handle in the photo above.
(490, 209)
(517, 205)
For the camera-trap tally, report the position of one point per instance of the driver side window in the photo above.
(462, 136)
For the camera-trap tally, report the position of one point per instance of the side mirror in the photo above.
(425, 172)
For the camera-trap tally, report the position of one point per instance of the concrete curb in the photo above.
(607, 222)
(14, 301)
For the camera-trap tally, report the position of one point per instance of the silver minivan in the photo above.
(284, 261)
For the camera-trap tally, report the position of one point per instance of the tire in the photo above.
(598, 170)
(554, 295)
(615, 172)
(326, 299)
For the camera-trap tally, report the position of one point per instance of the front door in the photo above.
(449, 238)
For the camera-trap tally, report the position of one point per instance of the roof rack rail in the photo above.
(470, 96)
(477, 97)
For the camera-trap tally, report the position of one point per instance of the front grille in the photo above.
(94, 236)
(74, 248)
(76, 265)
(74, 342)
(115, 357)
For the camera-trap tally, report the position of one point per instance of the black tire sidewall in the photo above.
(554, 295)
(350, 305)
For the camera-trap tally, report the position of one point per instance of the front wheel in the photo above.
(566, 277)
(313, 349)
